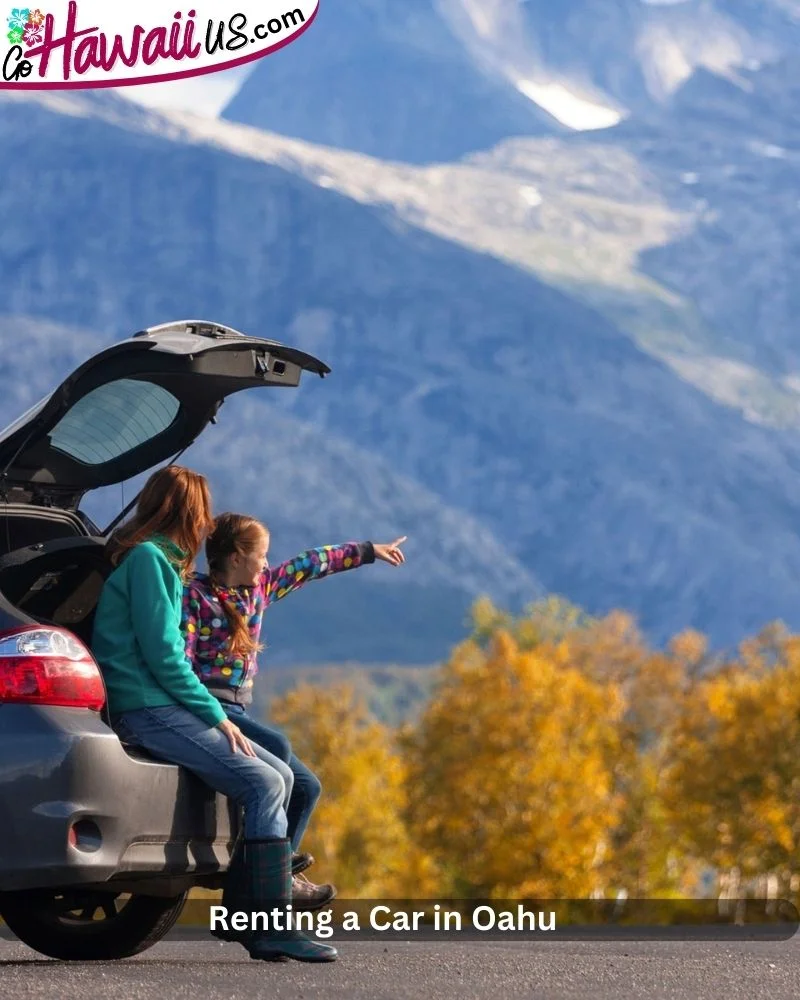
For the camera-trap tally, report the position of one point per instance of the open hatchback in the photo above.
(134, 405)
(100, 842)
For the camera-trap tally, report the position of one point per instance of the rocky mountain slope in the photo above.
(390, 81)
(597, 468)
(733, 149)
(678, 224)
(431, 80)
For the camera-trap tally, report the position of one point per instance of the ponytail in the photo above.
(233, 533)
(242, 643)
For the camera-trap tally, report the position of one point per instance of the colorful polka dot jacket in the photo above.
(205, 626)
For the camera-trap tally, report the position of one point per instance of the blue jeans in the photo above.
(262, 785)
(306, 789)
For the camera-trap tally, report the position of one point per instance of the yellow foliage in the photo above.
(548, 620)
(733, 779)
(511, 774)
(561, 756)
(691, 648)
(357, 832)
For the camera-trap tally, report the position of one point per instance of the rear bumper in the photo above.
(140, 818)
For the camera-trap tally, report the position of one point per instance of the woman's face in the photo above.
(245, 568)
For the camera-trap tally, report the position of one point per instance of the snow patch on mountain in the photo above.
(497, 35)
(568, 108)
(583, 68)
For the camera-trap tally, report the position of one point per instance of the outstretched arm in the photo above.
(314, 564)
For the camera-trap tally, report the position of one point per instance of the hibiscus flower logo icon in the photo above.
(18, 18)
(25, 25)
(32, 34)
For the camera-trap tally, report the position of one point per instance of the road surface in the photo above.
(641, 970)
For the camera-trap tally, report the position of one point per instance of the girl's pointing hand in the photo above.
(391, 553)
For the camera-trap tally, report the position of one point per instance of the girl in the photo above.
(156, 701)
(222, 615)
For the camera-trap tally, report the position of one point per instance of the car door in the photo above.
(136, 404)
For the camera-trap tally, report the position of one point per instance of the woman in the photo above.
(222, 617)
(156, 701)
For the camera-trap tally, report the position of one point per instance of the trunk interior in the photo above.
(51, 569)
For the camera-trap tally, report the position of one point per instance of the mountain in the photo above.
(433, 80)
(727, 152)
(614, 219)
(597, 468)
(678, 224)
(639, 53)
(392, 81)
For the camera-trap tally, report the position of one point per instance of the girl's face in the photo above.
(245, 568)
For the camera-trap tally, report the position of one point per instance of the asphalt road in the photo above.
(641, 970)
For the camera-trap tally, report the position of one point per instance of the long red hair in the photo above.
(176, 503)
(234, 533)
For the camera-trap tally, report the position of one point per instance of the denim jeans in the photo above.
(306, 789)
(262, 785)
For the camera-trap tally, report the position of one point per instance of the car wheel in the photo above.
(81, 925)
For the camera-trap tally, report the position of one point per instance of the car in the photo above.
(101, 842)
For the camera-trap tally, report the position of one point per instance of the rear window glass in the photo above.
(113, 419)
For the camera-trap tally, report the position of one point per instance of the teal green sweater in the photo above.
(137, 639)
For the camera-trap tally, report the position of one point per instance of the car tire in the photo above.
(65, 924)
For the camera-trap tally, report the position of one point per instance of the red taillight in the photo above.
(48, 666)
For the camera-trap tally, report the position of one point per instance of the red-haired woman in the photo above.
(156, 701)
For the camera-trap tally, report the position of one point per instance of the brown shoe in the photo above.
(307, 896)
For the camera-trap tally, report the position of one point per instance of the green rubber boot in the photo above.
(268, 876)
(234, 895)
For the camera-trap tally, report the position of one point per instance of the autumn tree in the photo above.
(641, 855)
(548, 620)
(357, 832)
(511, 781)
(733, 779)
(559, 756)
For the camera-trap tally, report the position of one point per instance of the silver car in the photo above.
(100, 842)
